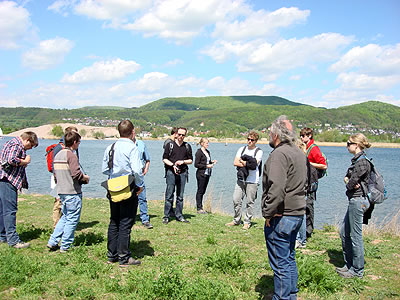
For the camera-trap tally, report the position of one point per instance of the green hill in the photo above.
(220, 116)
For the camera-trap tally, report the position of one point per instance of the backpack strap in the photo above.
(309, 149)
(111, 157)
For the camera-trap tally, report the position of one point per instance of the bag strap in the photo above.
(309, 149)
(111, 157)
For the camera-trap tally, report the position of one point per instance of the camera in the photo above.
(5, 166)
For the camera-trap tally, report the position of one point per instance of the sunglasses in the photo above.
(181, 134)
(350, 143)
(249, 139)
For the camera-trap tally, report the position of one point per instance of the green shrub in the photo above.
(82, 132)
(225, 260)
(57, 131)
(99, 135)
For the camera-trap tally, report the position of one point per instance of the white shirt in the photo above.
(254, 176)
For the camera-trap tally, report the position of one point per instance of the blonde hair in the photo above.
(202, 140)
(360, 139)
(301, 145)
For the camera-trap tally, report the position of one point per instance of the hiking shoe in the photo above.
(63, 250)
(183, 220)
(130, 262)
(165, 221)
(246, 226)
(347, 274)
(52, 248)
(21, 245)
(342, 269)
(231, 224)
(147, 225)
(202, 212)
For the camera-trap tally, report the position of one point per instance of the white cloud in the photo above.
(103, 71)
(259, 24)
(357, 81)
(47, 54)
(173, 62)
(15, 24)
(273, 59)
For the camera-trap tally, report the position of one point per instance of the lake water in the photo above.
(331, 202)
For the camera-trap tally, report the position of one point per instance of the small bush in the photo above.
(99, 135)
(225, 261)
(57, 131)
(211, 240)
(82, 132)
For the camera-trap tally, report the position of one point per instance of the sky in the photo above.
(76, 53)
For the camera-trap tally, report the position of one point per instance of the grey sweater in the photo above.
(67, 172)
(284, 182)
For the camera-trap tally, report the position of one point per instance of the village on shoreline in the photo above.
(111, 133)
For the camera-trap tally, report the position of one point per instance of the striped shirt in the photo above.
(12, 153)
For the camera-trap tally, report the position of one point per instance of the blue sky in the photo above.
(75, 53)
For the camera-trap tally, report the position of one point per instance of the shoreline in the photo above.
(43, 132)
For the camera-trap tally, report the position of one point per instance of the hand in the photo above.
(267, 222)
(214, 161)
(176, 169)
(179, 162)
(139, 191)
(346, 180)
(357, 186)
(145, 170)
(25, 161)
(86, 178)
(210, 166)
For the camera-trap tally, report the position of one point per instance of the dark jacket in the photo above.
(357, 173)
(200, 162)
(251, 164)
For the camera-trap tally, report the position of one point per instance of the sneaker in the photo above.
(63, 250)
(165, 221)
(342, 269)
(52, 248)
(200, 211)
(183, 220)
(231, 224)
(21, 245)
(112, 260)
(147, 225)
(130, 262)
(299, 245)
(246, 226)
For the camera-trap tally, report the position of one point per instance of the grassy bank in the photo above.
(200, 260)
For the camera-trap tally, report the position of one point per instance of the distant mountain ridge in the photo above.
(220, 115)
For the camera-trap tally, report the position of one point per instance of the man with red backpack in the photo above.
(51, 152)
(318, 161)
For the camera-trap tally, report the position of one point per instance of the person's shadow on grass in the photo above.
(141, 249)
(336, 257)
(88, 239)
(31, 233)
(265, 287)
(84, 225)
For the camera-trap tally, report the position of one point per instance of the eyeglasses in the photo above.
(350, 143)
(249, 139)
(180, 134)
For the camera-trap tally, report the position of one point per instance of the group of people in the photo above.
(289, 184)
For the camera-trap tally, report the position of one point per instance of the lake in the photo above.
(330, 206)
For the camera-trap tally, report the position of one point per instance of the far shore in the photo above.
(111, 133)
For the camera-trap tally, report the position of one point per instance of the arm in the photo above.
(104, 166)
(316, 159)
(146, 167)
(135, 163)
(238, 162)
(199, 163)
(75, 169)
(361, 168)
(146, 156)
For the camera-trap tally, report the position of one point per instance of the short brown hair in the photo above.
(307, 131)
(183, 128)
(125, 128)
(31, 137)
(70, 128)
(71, 137)
(254, 135)
(174, 130)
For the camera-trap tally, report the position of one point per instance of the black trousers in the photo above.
(310, 213)
(202, 182)
(119, 230)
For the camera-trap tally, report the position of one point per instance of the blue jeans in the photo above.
(144, 217)
(280, 238)
(71, 206)
(301, 235)
(8, 213)
(351, 235)
(178, 181)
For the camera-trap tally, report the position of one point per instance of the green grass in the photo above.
(200, 260)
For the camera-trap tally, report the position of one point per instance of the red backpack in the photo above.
(50, 156)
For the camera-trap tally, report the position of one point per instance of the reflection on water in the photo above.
(331, 200)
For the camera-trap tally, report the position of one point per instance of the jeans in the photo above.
(351, 235)
(301, 235)
(243, 189)
(71, 207)
(280, 238)
(119, 230)
(8, 213)
(144, 217)
(179, 181)
(202, 182)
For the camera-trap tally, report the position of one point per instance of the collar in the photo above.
(310, 142)
(357, 156)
